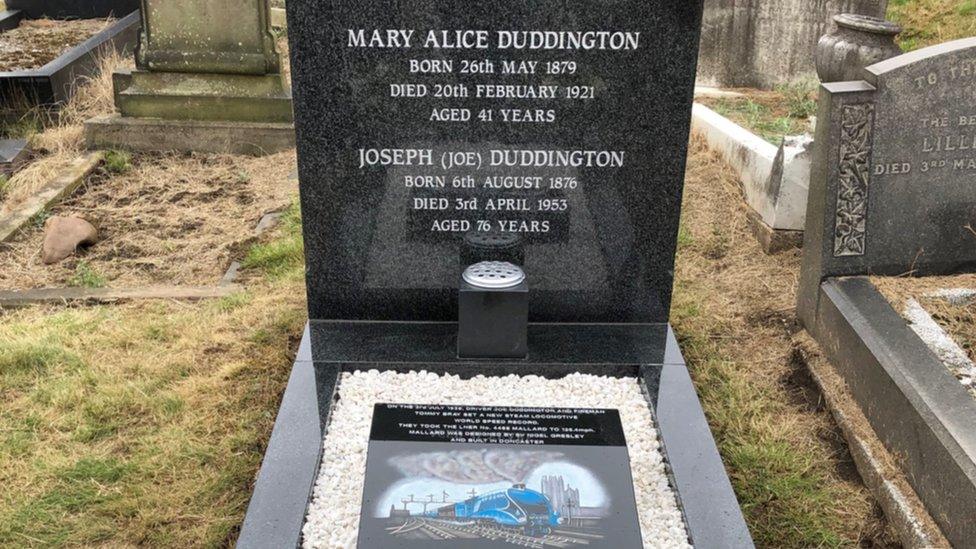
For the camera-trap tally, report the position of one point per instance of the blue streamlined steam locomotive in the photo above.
(514, 507)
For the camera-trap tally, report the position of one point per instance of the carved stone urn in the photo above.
(858, 41)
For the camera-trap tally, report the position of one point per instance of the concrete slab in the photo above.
(775, 180)
(278, 18)
(153, 134)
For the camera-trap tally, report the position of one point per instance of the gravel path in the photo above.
(333, 517)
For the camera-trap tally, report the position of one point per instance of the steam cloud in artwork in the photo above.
(473, 466)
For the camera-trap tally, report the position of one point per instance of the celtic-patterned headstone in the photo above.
(893, 186)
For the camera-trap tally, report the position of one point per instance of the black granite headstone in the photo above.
(893, 182)
(421, 122)
(475, 476)
(434, 134)
(73, 9)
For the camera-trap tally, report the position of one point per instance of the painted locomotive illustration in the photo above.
(486, 496)
(518, 507)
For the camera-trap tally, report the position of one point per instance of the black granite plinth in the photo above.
(598, 238)
(430, 136)
(277, 509)
(54, 83)
(10, 19)
(554, 349)
(73, 9)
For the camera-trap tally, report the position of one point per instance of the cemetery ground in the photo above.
(948, 302)
(145, 422)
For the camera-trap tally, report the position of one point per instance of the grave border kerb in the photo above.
(912, 401)
(54, 82)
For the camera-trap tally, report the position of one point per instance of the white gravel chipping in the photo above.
(333, 516)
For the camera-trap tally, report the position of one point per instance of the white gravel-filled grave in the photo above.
(333, 515)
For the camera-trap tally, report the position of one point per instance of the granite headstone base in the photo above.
(648, 353)
(914, 404)
(196, 96)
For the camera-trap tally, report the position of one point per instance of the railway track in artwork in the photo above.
(439, 529)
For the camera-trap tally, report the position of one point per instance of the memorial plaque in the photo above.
(475, 476)
(423, 122)
(893, 185)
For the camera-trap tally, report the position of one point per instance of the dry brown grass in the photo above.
(140, 424)
(168, 219)
(734, 313)
(929, 22)
(63, 138)
(899, 289)
(958, 320)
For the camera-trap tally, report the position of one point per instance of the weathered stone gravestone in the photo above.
(549, 139)
(762, 43)
(211, 65)
(893, 192)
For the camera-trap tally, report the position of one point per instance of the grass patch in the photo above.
(87, 277)
(771, 115)
(800, 98)
(118, 161)
(930, 22)
(26, 126)
(57, 140)
(958, 321)
(283, 255)
(143, 424)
